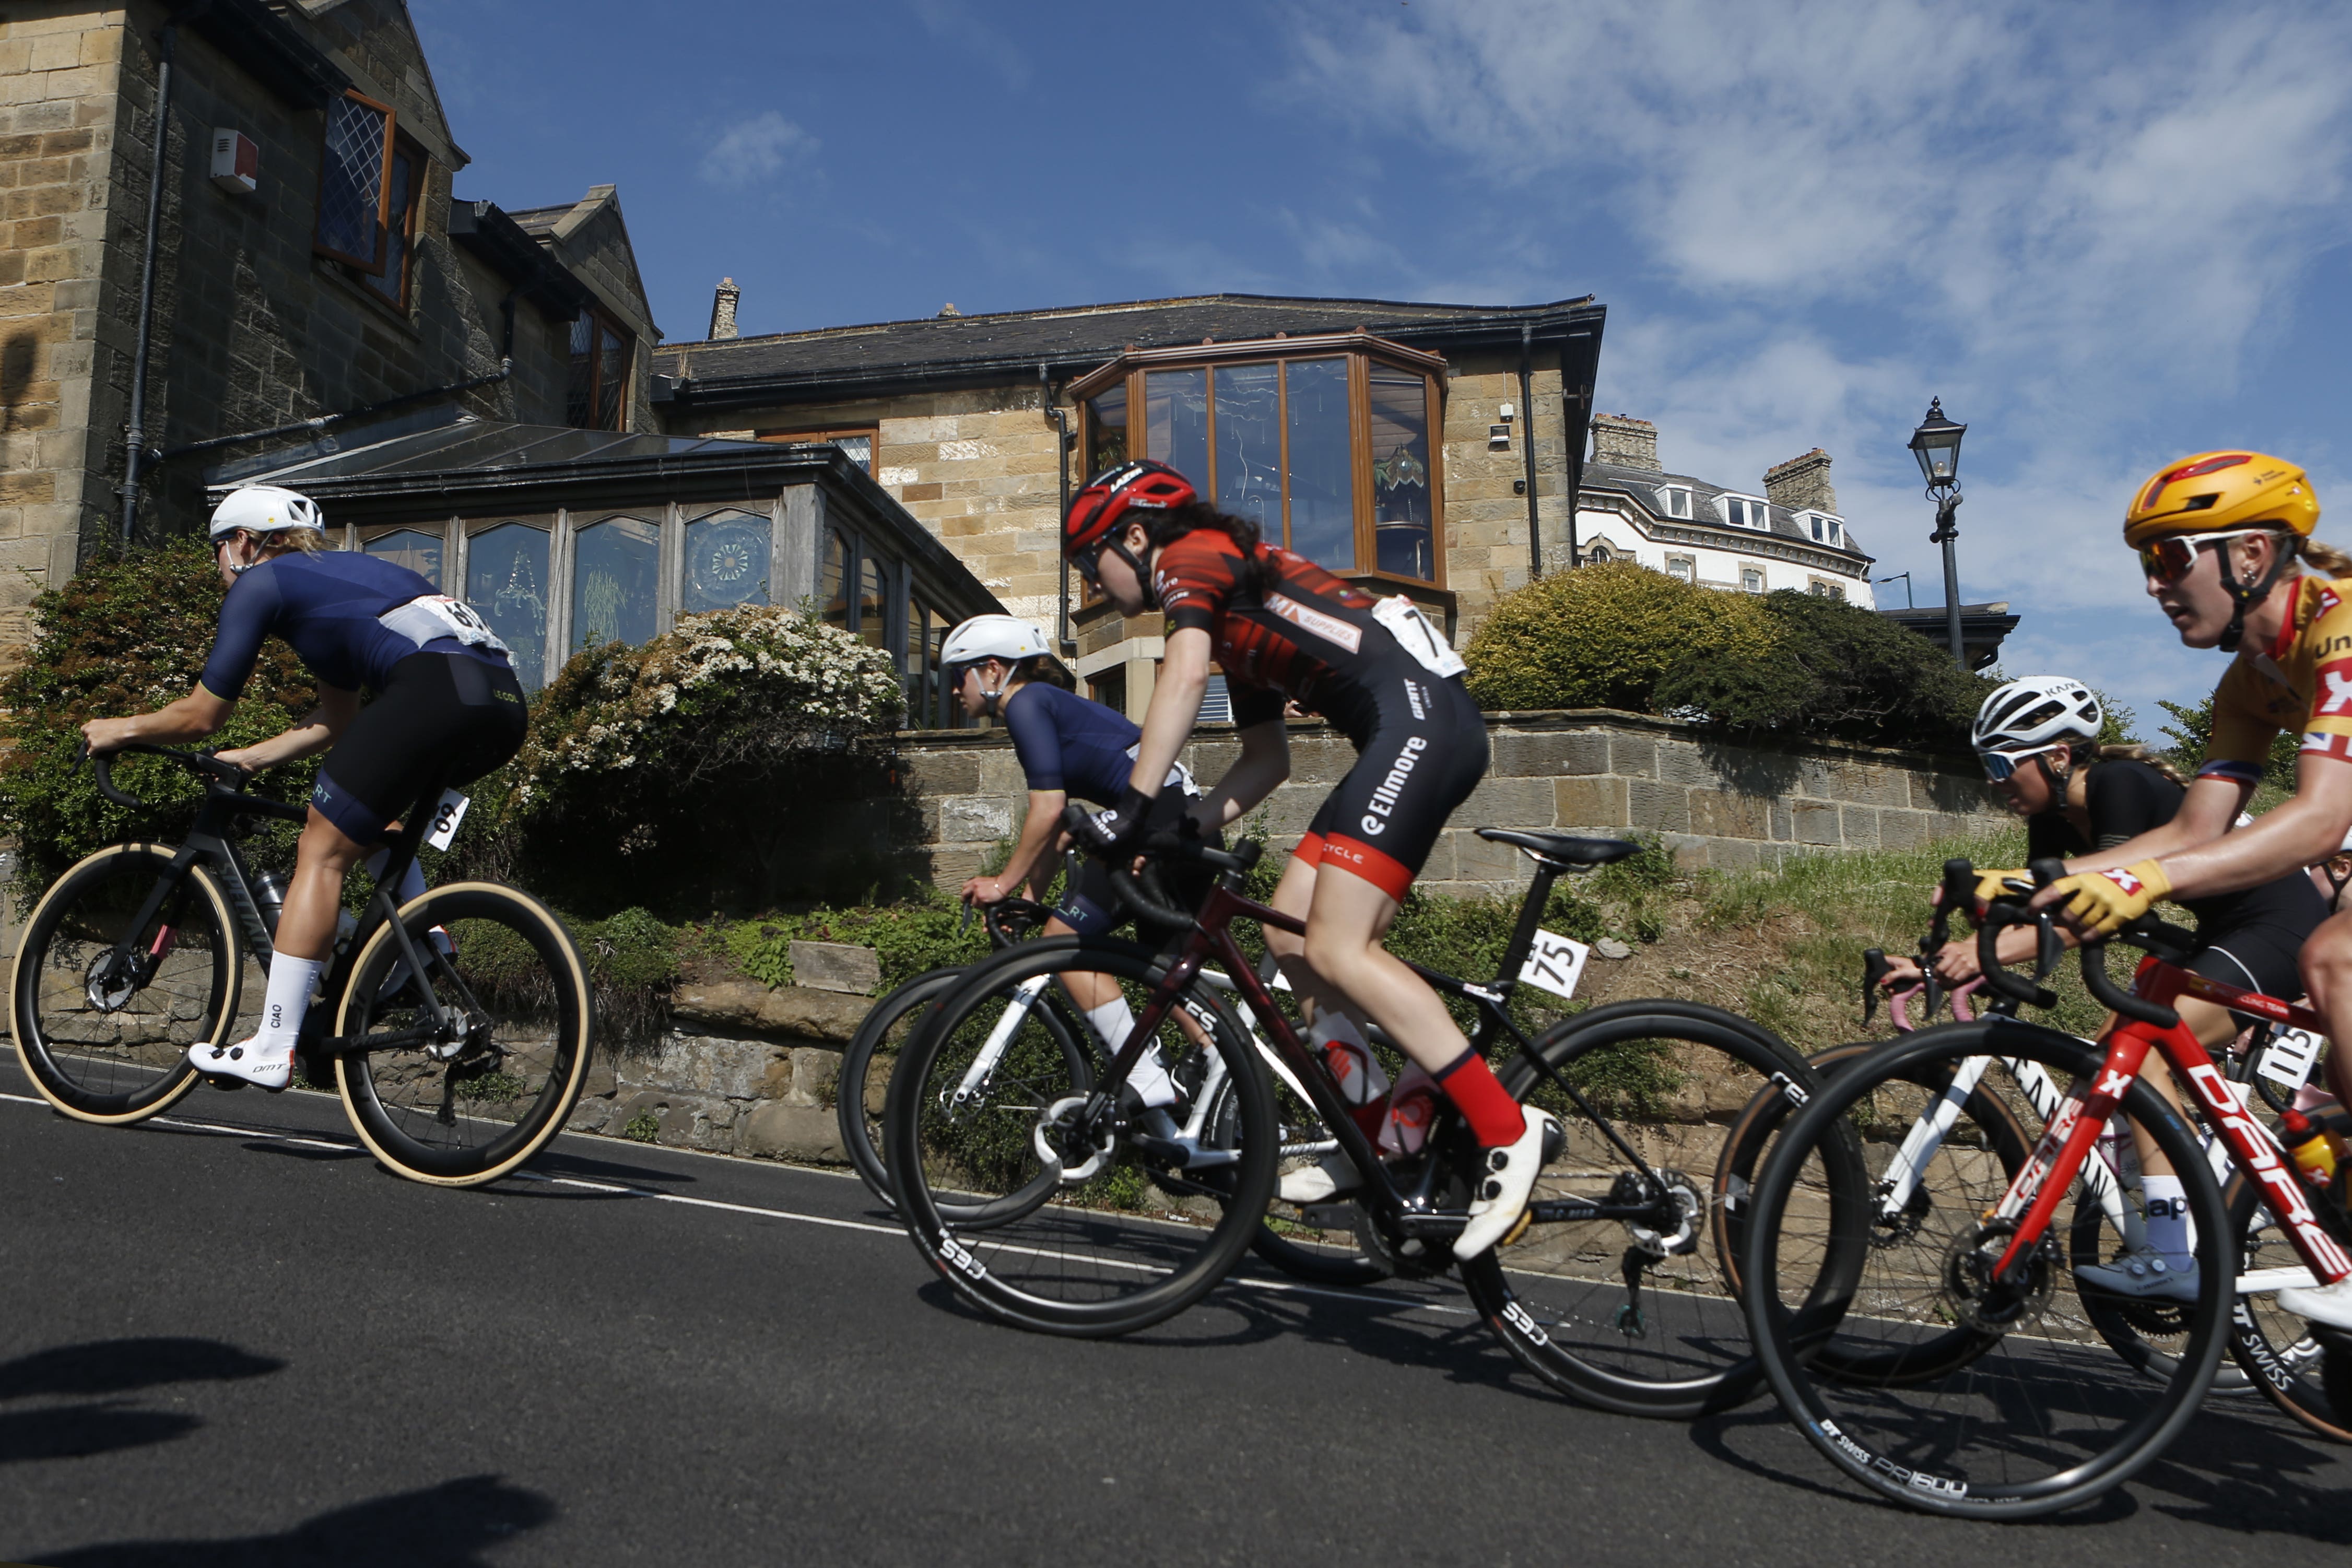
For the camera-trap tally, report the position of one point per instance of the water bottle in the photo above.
(2307, 1141)
(269, 897)
(1412, 1107)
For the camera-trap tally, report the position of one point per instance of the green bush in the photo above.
(925, 933)
(1620, 635)
(125, 636)
(2192, 734)
(1603, 637)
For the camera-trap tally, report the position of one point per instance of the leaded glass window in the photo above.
(419, 552)
(506, 582)
(727, 556)
(354, 181)
(616, 577)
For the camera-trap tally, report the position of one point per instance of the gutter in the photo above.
(134, 428)
(1063, 640)
(319, 423)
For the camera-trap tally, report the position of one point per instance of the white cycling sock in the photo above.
(290, 982)
(2169, 1232)
(1112, 1020)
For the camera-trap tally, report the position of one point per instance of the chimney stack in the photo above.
(1627, 443)
(1802, 483)
(722, 310)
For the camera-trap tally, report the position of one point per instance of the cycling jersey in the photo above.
(1421, 741)
(2302, 682)
(2125, 799)
(1066, 743)
(326, 607)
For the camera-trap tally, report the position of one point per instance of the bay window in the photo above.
(1324, 441)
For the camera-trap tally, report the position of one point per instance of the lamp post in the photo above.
(1936, 444)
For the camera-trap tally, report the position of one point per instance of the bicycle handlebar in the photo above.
(1142, 895)
(198, 762)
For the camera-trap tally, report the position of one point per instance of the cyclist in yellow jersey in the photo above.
(2224, 538)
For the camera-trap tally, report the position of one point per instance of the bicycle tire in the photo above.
(2300, 1374)
(116, 1082)
(861, 1130)
(518, 976)
(1995, 1127)
(960, 1124)
(2049, 1417)
(1552, 1295)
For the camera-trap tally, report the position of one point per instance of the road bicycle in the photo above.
(1091, 1222)
(456, 1028)
(1951, 1279)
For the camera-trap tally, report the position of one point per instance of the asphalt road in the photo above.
(232, 1339)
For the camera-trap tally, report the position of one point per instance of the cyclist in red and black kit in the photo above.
(1282, 629)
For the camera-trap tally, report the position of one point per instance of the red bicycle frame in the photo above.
(2066, 1141)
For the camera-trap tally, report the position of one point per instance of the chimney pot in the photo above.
(946, 311)
(1802, 483)
(1625, 442)
(722, 310)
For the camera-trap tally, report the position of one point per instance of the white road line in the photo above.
(1359, 1298)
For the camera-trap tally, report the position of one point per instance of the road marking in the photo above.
(1360, 1297)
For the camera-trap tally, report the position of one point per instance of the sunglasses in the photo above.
(2168, 560)
(2000, 765)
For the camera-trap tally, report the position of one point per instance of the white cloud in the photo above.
(756, 150)
(981, 38)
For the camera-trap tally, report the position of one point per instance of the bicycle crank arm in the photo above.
(1182, 1157)
(355, 1045)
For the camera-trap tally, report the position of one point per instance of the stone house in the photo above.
(1785, 533)
(299, 278)
(1429, 450)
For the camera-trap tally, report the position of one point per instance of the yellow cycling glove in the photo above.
(2105, 901)
(1989, 886)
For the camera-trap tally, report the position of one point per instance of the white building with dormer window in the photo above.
(1786, 532)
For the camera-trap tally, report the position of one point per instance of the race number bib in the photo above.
(1416, 636)
(1555, 964)
(446, 817)
(438, 616)
(2289, 1058)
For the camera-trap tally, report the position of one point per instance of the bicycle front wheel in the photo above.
(465, 1109)
(2276, 1351)
(1638, 1314)
(2045, 1415)
(1084, 1224)
(104, 1005)
(866, 1065)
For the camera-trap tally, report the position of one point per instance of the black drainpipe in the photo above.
(1068, 644)
(135, 435)
(1574, 429)
(1527, 450)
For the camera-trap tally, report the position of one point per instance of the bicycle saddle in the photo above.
(1563, 848)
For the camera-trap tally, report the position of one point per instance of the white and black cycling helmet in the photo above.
(263, 509)
(2033, 714)
(1007, 637)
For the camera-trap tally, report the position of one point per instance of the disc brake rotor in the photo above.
(1977, 1300)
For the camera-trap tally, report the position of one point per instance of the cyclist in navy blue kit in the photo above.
(1068, 746)
(447, 710)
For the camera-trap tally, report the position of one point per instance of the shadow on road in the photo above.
(450, 1525)
(96, 1373)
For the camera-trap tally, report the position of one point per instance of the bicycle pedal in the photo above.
(220, 1080)
(1519, 1228)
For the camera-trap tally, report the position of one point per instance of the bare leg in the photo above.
(323, 858)
(2327, 978)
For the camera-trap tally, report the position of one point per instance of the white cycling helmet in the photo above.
(263, 509)
(2030, 714)
(1006, 637)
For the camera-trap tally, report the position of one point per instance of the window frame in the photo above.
(1828, 528)
(1689, 563)
(1361, 350)
(1747, 506)
(373, 266)
(1669, 494)
(831, 435)
(1826, 588)
(1763, 578)
(602, 320)
(420, 164)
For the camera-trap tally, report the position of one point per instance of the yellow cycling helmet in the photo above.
(2215, 491)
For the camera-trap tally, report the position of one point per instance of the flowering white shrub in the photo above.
(737, 692)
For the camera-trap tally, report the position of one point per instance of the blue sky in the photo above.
(2105, 235)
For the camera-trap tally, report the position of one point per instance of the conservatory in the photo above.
(567, 538)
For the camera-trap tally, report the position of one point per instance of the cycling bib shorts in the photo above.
(442, 720)
(1424, 755)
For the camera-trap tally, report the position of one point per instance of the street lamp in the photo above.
(1936, 444)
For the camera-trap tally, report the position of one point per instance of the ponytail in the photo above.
(1257, 574)
(2085, 751)
(2324, 559)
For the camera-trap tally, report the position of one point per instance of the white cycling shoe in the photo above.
(2330, 1305)
(1326, 1179)
(2144, 1275)
(270, 1067)
(1502, 1195)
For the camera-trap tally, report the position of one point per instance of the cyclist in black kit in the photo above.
(447, 708)
(2038, 739)
(1282, 627)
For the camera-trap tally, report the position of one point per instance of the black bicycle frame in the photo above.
(1211, 935)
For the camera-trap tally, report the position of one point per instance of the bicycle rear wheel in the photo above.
(1638, 1315)
(2043, 1417)
(103, 1014)
(858, 1094)
(469, 1110)
(2275, 1350)
(1085, 1229)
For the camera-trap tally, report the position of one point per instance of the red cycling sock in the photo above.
(1495, 1118)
